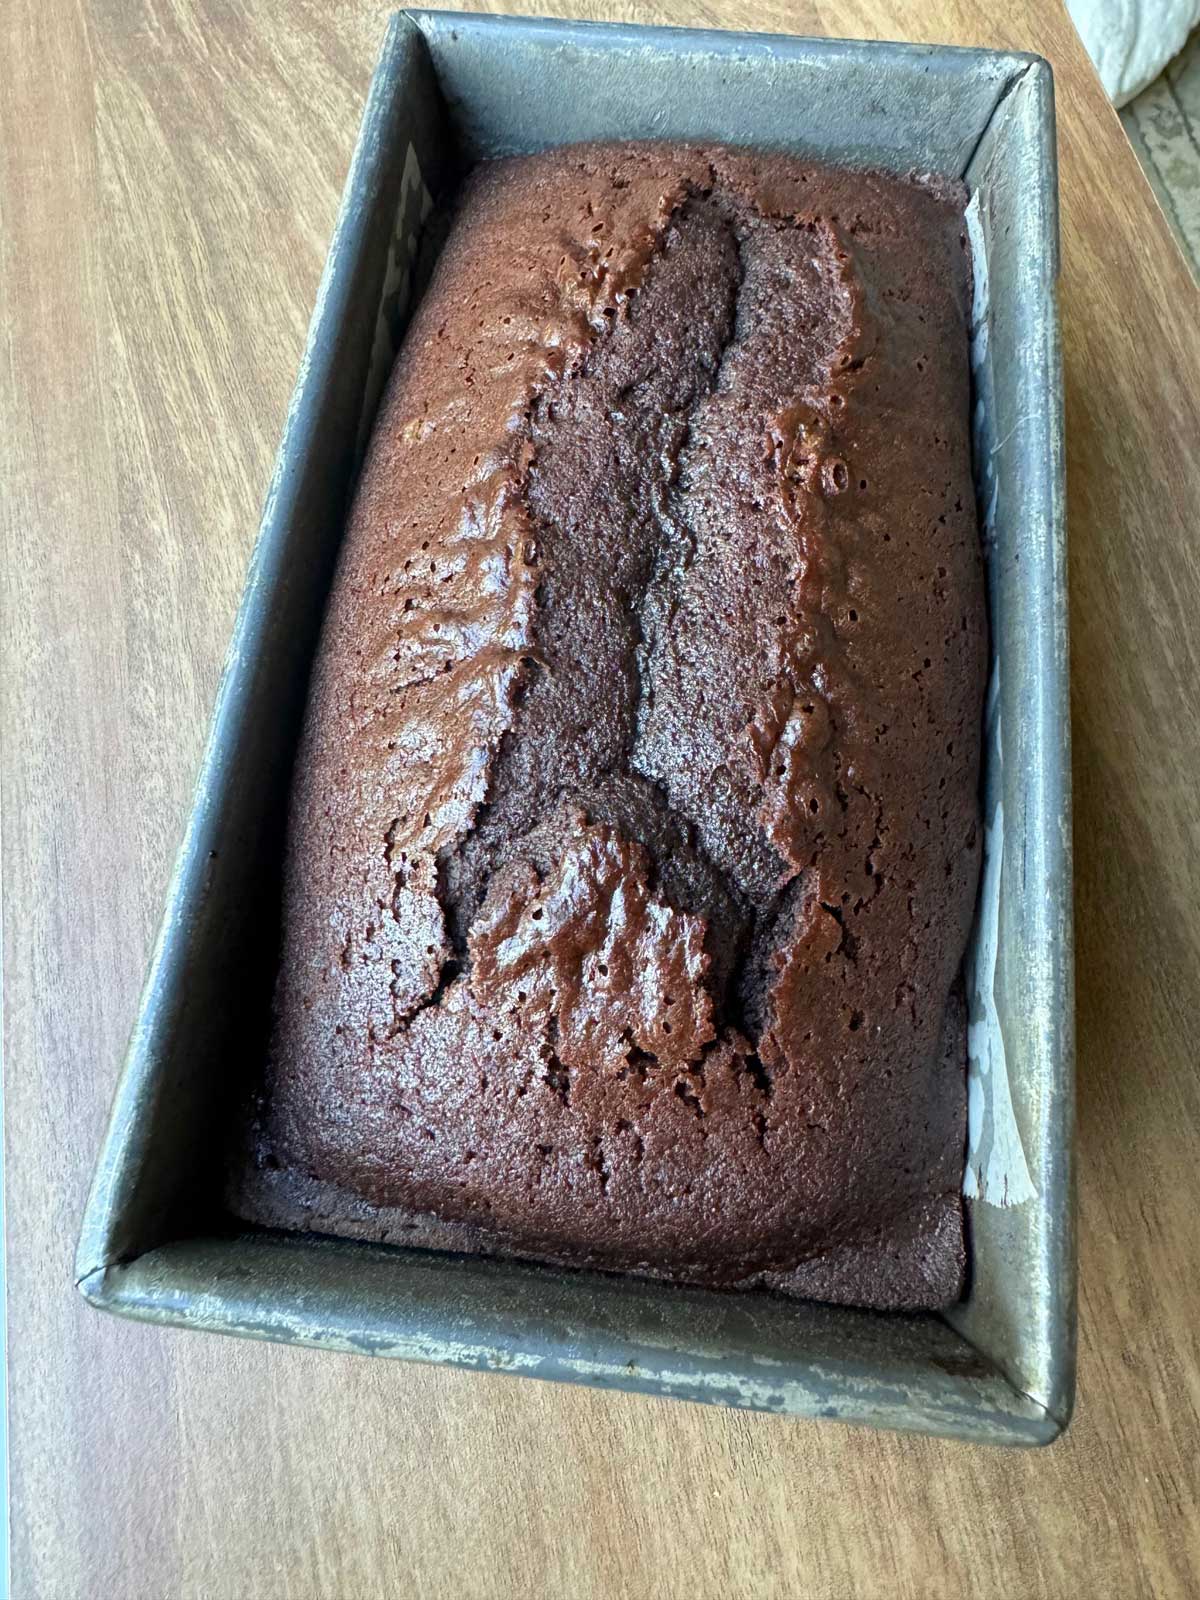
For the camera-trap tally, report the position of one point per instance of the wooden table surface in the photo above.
(169, 176)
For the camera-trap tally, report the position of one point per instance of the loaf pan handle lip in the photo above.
(434, 22)
(173, 1286)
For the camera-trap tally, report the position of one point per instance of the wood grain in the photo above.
(169, 175)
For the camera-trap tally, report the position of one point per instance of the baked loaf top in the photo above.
(634, 841)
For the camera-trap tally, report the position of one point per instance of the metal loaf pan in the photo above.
(155, 1243)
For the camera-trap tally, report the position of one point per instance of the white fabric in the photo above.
(1131, 41)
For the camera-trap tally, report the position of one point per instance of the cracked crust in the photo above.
(634, 846)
